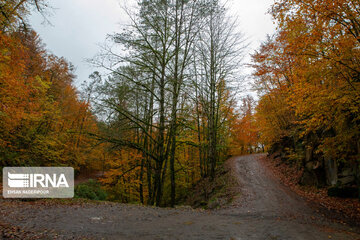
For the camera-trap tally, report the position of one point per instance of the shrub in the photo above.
(90, 190)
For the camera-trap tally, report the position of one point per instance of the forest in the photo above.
(307, 75)
(165, 117)
(170, 111)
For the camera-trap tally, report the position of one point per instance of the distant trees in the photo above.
(169, 97)
(218, 54)
(244, 132)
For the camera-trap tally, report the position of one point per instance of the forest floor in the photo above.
(263, 209)
(343, 210)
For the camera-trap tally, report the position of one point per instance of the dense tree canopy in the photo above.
(42, 119)
(308, 76)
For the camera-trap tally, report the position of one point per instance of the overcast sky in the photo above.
(78, 26)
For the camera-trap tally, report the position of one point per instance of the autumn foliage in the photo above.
(43, 122)
(163, 119)
(308, 78)
(245, 137)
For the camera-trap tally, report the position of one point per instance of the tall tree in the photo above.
(157, 71)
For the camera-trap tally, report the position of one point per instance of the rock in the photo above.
(347, 172)
(330, 170)
(309, 179)
(308, 154)
(347, 180)
(277, 155)
(309, 166)
(312, 165)
(343, 192)
(283, 156)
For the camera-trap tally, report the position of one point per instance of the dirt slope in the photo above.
(264, 210)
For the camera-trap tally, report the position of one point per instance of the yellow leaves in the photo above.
(42, 122)
(309, 76)
(123, 173)
(41, 85)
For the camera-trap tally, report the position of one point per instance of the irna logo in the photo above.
(38, 182)
(20, 180)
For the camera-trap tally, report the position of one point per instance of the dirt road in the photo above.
(264, 210)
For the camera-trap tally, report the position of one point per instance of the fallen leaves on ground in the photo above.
(348, 209)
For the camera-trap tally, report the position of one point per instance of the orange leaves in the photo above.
(14, 91)
(244, 131)
(121, 180)
(308, 75)
(42, 121)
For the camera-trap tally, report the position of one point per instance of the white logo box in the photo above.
(38, 182)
